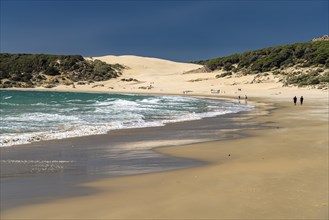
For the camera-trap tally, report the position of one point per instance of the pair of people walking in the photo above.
(301, 99)
(245, 99)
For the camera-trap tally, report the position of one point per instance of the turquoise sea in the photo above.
(30, 116)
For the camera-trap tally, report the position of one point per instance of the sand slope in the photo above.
(147, 65)
(277, 173)
(158, 76)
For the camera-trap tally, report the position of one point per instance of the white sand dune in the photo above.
(148, 65)
(158, 76)
(276, 173)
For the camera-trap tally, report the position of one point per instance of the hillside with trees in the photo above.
(299, 64)
(33, 70)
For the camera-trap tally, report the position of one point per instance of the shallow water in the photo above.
(48, 169)
(52, 169)
(29, 116)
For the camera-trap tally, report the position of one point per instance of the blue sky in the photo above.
(175, 30)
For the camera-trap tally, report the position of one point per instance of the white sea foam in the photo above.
(71, 131)
(124, 104)
(136, 121)
(9, 104)
(45, 104)
(68, 117)
(41, 117)
(150, 101)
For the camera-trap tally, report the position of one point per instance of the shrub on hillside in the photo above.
(305, 79)
(279, 57)
(224, 74)
(28, 67)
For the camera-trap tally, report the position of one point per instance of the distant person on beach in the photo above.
(295, 100)
(245, 99)
(301, 100)
(239, 98)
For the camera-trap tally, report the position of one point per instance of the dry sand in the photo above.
(168, 77)
(277, 173)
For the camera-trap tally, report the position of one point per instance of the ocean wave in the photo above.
(124, 103)
(194, 116)
(73, 115)
(71, 131)
(40, 117)
(7, 97)
(53, 104)
(9, 104)
(151, 101)
(124, 122)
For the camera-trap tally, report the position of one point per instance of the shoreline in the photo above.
(198, 96)
(278, 183)
(152, 139)
(158, 77)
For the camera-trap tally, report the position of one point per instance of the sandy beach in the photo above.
(276, 173)
(158, 76)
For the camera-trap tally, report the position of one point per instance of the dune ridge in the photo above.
(158, 76)
(277, 173)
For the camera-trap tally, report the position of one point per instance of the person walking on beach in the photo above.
(301, 100)
(239, 98)
(245, 99)
(295, 100)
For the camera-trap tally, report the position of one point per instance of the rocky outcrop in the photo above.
(322, 38)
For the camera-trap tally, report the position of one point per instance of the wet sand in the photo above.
(276, 173)
(42, 171)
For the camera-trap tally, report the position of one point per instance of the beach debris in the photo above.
(146, 87)
(198, 80)
(99, 85)
(215, 91)
(129, 80)
(48, 86)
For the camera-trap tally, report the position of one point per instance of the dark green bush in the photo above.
(267, 59)
(325, 77)
(28, 67)
(224, 74)
(305, 79)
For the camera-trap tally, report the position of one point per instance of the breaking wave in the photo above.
(28, 117)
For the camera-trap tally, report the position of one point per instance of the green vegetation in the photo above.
(267, 59)
(276, 59)
(224, 74)
(29, 70)
(304, 79)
